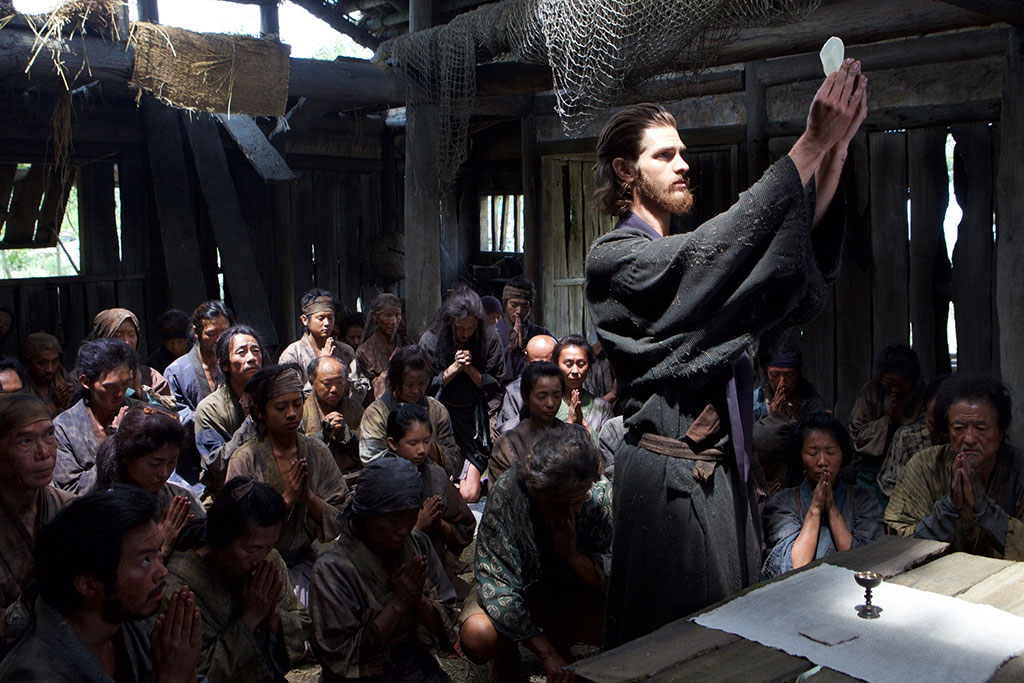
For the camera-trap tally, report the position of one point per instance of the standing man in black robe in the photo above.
(676, 315)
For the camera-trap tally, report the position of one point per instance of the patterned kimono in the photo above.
(908, 441)
(348, 591)
(921, 506)
(373, 430)
(784, 518)
(301, 352)
(521, 583)
(230, 651)
(345, 445)
(78, 438)
(374, 356)
(300, 532)
(187, 380)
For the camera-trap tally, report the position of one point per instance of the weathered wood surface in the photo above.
(928, 180)
(974, 255)
(684, 650)
(1010, 252)
(1009, 11)
(889, 246)
(257, 149)
(59, 183)
(7, 173)
(238, 262)
(173, 205)
(21, 219)
(97, 222)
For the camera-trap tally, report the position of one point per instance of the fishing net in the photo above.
(597, 51)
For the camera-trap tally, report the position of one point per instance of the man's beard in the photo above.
(676, 203)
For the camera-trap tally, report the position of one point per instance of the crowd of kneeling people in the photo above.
(210, 514)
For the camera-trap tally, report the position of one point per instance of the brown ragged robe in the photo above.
(230, 651)
(300, 531)
(344, 446)
(374, 356)
(349, 589)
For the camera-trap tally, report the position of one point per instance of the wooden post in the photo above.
(270, 24)
(757, 116)
(1010, 229)
(889, 246)
(96, 221)
(422, 205)
(531, 210)
(148, 11)
(929, 196)
(974, 254)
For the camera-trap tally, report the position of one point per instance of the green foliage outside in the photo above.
(49, 262)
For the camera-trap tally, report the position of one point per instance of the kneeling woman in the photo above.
(299, 467)
(379, 599)
(542, 555)
(822, 515)
(253, 627)
(144, 452)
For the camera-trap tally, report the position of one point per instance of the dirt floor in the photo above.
(460, 669)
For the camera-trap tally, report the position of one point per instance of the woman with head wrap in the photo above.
(318, 311)
(43, 357)
(144, 453)
(299, 467)
(380, 340)
(28, 452)
(468, 359)
(106, 371)
(254, 630)
(120, 323)
(379, 600)
(543, 551)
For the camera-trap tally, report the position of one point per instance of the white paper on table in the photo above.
(919, 634)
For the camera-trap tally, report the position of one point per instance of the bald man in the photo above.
(330, 414)
(539, 348)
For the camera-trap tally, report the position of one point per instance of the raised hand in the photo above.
(430, 513)
(575, 409)
(116, 422)
(62, 394)
(837, 105)
(408, 583)
(822, 499)
(563, 536)
(176, 641)
(336, 421)
(172, 521)
(260, 594)
(895, 409)
(296, 482)
(329, 347)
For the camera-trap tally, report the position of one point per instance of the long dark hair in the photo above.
(143, 430)
(621, 137)
(461, 302)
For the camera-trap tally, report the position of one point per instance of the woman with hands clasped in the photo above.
(822, 515)
(299, 467)
(574, 357)
(379, 599)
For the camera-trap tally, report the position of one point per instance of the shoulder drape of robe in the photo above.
(230, 652)
(187, 380)
(345, 445)
(374, 426)
(218, 417)
(16, 542)
(374, 356)
(349, 589)
(784, 518)
(300, 530)
(456, 513)
(74, 430)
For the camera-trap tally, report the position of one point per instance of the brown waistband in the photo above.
(675, 448)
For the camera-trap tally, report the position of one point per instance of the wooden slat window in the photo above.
(502, 223)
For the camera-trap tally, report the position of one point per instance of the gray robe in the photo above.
(187, 380)
(674, 315)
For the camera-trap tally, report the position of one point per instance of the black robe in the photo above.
(675, 315)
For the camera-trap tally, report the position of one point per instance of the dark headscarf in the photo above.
(388, 484)
(789, 356)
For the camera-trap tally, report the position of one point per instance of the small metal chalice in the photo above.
(868, 580)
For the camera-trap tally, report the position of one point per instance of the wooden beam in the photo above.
(270, 22)
(337, 19)
(256, 148)
(149, 11)
(173, 205)
(1010, 11)
(97, 223)
(757, 118)
(889, 246)
(422, 203)
(238, 261)
(1010, 228)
